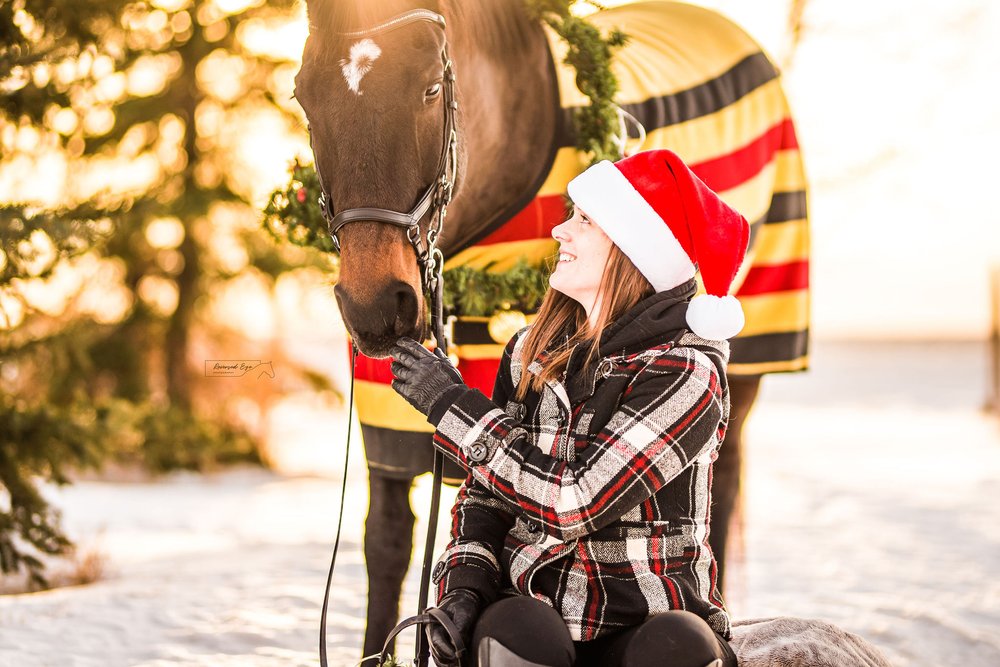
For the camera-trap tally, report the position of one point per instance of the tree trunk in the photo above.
(192, 205)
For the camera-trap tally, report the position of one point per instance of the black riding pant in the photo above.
(537, 633)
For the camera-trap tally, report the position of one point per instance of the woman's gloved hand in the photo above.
(463, 607)
(422, 377)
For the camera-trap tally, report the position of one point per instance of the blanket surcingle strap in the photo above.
(703, 88)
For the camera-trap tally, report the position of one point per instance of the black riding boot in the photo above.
(494, 654)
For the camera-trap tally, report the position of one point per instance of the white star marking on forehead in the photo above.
(363, 57)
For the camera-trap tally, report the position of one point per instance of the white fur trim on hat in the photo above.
(610, 200)
(715, 318)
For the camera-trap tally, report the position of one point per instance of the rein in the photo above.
(434, 202)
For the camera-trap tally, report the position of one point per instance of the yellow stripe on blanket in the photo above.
(780, 243)
(653, 28)
(379, 405)
(477, 352)
(769, 367)
(775, 312)
(790, 174)
(502, 256)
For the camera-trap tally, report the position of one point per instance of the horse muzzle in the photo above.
(378, 322)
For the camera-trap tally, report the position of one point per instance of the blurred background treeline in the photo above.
(130, 251)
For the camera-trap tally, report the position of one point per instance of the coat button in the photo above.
(534, 526)
(476, 452)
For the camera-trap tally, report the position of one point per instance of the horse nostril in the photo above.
(406, 310)
(388, 313)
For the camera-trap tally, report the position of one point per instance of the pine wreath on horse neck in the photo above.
(293, 214)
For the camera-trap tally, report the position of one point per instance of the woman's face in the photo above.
(583, 253)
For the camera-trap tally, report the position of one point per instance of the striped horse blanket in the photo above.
(703, 88)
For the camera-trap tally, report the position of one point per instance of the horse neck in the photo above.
(508, 103)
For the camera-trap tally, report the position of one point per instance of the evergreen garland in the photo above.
(293, 214)
(590, 55)
(480, 292)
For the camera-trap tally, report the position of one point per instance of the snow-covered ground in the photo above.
(872, 502)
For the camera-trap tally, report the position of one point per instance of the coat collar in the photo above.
(655, 320)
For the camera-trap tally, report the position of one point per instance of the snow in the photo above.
(872, 486)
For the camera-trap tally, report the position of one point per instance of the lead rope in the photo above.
(340, 515)
(425, 615)
(437, 326)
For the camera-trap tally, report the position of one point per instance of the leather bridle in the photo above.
(438, 194)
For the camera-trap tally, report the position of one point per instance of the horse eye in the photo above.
(433, 91)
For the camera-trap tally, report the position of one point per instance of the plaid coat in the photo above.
(593, 495)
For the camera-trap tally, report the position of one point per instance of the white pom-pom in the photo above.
(715, 318)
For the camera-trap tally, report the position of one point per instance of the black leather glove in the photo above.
(463, 607)
(422, 377)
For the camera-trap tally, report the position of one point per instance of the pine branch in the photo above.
(293, 215)
(481, 292)
(590, 55)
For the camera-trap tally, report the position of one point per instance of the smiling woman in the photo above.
(595, 452)
(584, 253)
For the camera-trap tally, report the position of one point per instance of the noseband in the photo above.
(438, 194)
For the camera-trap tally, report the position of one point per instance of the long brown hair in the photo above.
(622, 286)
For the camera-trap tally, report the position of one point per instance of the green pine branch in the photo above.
(85, 388)
(481, 292)
(590, 55)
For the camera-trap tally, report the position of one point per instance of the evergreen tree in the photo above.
(122, 216)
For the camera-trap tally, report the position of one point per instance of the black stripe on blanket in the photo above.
(769, 347)
(702, 100)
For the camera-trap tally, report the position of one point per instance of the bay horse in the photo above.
(372, 88)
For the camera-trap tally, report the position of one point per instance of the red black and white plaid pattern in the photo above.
(597, 504)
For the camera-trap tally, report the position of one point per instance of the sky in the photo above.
(897, 122)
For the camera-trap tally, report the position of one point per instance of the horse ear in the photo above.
(312, 14)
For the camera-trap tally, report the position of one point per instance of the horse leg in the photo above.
(388, 544)
(728, 468)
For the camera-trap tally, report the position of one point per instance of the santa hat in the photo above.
(669, 223)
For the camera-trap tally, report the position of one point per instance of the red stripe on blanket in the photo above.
(478, 373)
(372, 370)
(534, 221)
(776, 278)
(727, 171)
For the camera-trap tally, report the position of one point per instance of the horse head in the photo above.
(375, 101)
(374, 87)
